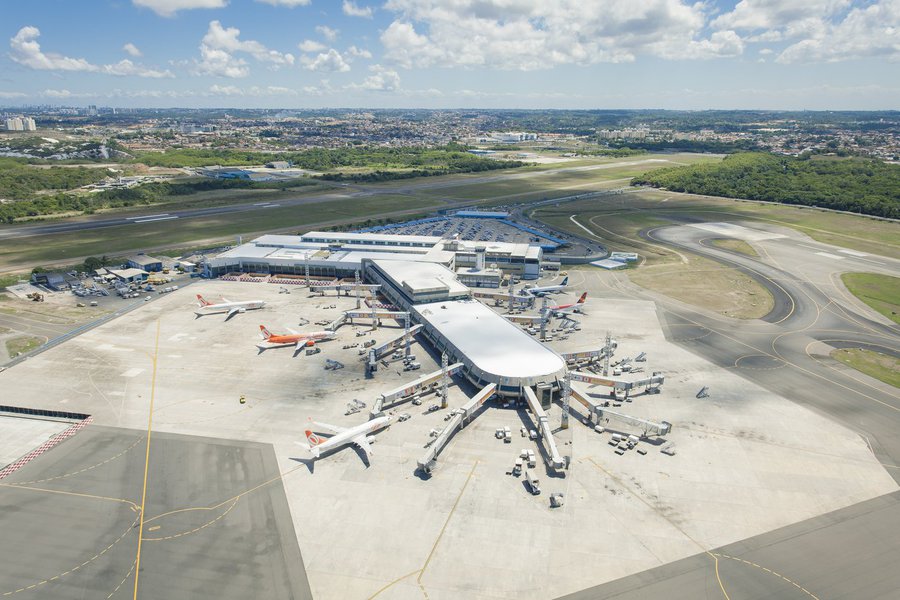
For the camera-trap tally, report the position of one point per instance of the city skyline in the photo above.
(669, 54)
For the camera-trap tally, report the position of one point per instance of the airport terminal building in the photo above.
(492, 348)
(335, 254)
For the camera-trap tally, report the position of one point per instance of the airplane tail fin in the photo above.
(565, 280)
(312, 438)
(314, 450)
(582, 299)
(265, 332)
(201, 301)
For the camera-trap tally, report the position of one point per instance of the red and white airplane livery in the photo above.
(358, 435)
(294, 338)
(565, 309)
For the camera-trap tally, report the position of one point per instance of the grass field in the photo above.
(658, 207)
(560, 179)
(874, 364)
(881, 292)
(22, 344)
(735, 246)
(69, 247)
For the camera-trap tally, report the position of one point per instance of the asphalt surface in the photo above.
(344, 192)
(217, 523)
(848, 555)
(851, 553)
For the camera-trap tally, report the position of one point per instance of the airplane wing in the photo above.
(232, 312)
(331, 428)
(225, 300)
(291, 331)
(360, 441)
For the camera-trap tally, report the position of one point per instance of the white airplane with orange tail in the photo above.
(342, 436)
(293, 338)
(232, 308)
(566, 309)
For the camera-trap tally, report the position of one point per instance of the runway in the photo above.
(152, 214)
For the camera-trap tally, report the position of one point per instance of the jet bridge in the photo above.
(388, 399)
(600, 414)
(461, 416)
(396, 342)
(586, 357)
(376, 314)
(653, 382)
(556, 461)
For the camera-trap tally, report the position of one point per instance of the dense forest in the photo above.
(852, 184)
(147, 194)
(446, 159)
(18, 180)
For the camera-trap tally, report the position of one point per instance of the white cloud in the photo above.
(132, 50)
(27, 51)
(221, 38)
(381, 80)
(11, 95)
(219, 45)
(535, 34)
(327, 32)
(331, 61)
(288, 3)
(752, 15)
(358, 53)
(253, 91)
(866, 32)
(311, 46)
(220, 63)
(126, 67)
(352, 9)
(168, 8)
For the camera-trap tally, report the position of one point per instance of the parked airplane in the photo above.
(297, 339)
(566, 309)
(540, 291)
(358, 435)
(232, 308)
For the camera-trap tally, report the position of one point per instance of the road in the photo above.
(850, 553)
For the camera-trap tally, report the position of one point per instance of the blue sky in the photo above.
(678, 54)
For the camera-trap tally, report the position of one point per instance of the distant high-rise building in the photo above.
(20, 124)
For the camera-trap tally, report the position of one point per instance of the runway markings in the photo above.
(52, 442)
(667, 520)
(146, 217)
(124, 579)
(771, 572)
(100, 464)
(154, 220)
(72, 570)
(444, 528)
(194, 530)
(137, 572)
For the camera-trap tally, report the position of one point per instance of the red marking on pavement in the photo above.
(53, 441)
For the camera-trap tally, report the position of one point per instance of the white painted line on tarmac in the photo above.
(853, 253)
(147, 217)
(155, 219)
(831, 256)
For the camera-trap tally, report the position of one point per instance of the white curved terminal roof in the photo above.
(494, 348)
